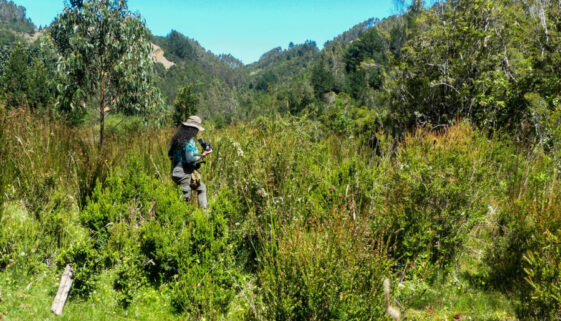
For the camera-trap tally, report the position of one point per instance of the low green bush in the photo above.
(129, 280)
(3, 155)
(104, 207)
(333, 271)
(153, 238)
(543, 274)
(525, 255)
(208, 277)
(20, 241)
(29, 243)
(436, 192)
(87, 263)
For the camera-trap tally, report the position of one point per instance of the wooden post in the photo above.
(63, 289)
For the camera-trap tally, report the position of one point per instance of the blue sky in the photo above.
(244, 28)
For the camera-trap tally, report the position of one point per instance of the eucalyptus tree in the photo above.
(104, 59)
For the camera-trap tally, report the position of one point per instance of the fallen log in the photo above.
(63, 290)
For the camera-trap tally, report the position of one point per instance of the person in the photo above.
(185, 157)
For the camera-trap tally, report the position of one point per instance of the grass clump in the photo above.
(331, 270)
(525, 257)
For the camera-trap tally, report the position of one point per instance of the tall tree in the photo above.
(464, 60)
(185, 105)
(104, 59)
(179, 46)
(322, 80)
(14, 80)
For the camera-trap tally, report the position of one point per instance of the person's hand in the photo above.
(206, 152)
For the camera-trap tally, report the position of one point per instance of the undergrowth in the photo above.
(303, 224)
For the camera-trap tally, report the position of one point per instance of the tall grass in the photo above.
(303, 223)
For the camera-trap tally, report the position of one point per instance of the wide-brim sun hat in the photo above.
(194, 121)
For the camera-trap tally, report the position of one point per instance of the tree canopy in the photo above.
(104, 59)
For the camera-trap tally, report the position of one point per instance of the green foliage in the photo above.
(104, 207)
(26, 80)
(207, 282)
(186, 104)
(369, 45)
(7, 39)
(467, 59)
(86, 263)
(3, 154)
(363, 59)
(543, 273)
(295, 100)
(168, 243)
(279, 66)
(40, 86)
(334, 272)
(322, 80)
(130, 278)
(354, 32)
(215, 79)
(216, 96)
(343, 117)
(337, 117)
(266, 81)
(524, 258)
(104, 53)
(437, 196)
(14, 78)
(178, 47)
(19, 238)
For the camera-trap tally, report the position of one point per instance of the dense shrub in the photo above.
(19, 239)
(86, 263)
(437, 192)
(130, 279)
(104, 207)
(525, 254)
(154, 238)
(334, 272)
(208, 276)
(30, 243)
(3, 155)
(543, 273)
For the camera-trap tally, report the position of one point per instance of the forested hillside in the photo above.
(13, 17)
(408, 169)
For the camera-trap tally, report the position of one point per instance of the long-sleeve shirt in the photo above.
(186, 156)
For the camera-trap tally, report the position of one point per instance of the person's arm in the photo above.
(191, 153)
(198, 157)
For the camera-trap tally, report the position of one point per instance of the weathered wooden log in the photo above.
(63, 290)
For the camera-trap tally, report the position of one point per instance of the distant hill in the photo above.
(13, 17)
(353, 33)
(14, 25)
(279, 65)
(216, 78)
(226, 86)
